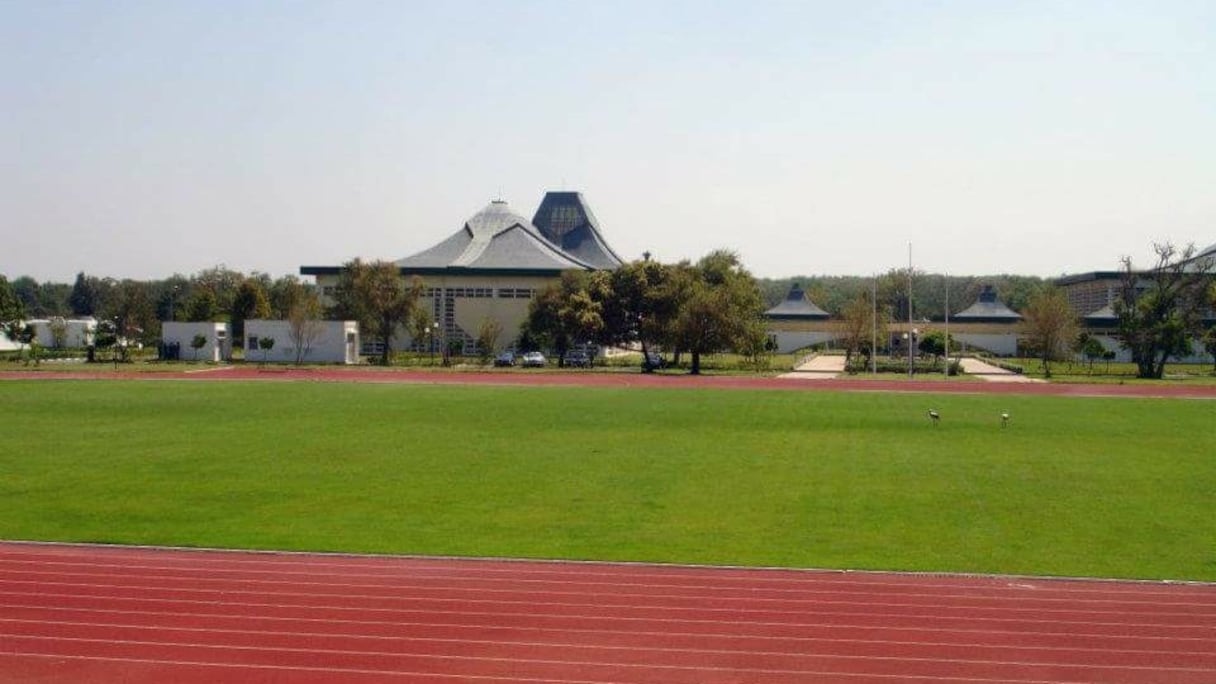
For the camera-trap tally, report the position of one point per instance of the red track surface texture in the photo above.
(110, 614)
(577, 379)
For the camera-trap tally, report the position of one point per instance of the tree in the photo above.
(422, 329)
(565, 313)
(222, 283)
(265, 344)
(1160, 309)
(85, 299)
(935, 344)
(285, 293)
(1049, 325)
(1092, 350)
(304, 326)
(487, 338)
(130, 306)
(27, 290)
(202, 306)
(250, 302)
(859, 325)
(723, 300)
(11, 308)
(170, 296)
(1209, 345)
(375, 294)
(637, 303)
(198, 342)
(59, 332)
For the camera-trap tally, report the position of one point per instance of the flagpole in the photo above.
(911, 335)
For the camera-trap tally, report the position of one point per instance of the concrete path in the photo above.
(821, 367)
(991, 373)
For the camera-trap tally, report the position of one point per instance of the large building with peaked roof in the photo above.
(493, 265)
(565, 220)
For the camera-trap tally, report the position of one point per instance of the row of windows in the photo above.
(515, 293)
(483, 292)
(470, 292)
(473, 292)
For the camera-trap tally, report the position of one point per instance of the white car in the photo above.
(534, 360)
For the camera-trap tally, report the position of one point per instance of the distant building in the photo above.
(65, 333)
(177, 338)
(322, 342)
(987, 324)
(492, 267)
(796, 322)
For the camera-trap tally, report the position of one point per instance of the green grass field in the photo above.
(1093, 487)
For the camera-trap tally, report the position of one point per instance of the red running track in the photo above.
(624, 379)
(72, 613)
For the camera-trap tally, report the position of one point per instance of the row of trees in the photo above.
(138, 306)
(933, 293)
(1160, 312)
(712, 305)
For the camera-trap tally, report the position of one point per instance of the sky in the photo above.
(143, 139)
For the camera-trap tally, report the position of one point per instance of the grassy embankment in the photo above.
(1097, 487)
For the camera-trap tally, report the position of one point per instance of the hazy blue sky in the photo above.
(139, 139)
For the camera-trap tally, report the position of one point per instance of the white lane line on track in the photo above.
(717, 592)
(944, 600)
(705, 635)
(750, 576)
(588, 616)
(598, 647)
(606, 664)
(876, 606)
(496, 678)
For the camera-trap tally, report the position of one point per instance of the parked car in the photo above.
(534, 359)
(652, 361)
(506, 358)
(576, 359)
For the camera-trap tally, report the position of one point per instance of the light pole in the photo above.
(911, 338)
(433, 330)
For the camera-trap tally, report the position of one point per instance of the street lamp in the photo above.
(433, 330)
(911, 339)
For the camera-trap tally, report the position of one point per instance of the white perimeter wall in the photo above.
(788, 341)
(1003, 344)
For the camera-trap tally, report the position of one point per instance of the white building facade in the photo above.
(217, 341)
(311, 341)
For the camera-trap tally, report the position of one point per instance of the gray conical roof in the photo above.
(565, 220)
(796, 306)
(988, 308)
(495, 238)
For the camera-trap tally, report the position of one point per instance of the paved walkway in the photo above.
(819, 367)
(991, 373)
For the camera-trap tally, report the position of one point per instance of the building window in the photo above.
(253, 342)
(515, 293)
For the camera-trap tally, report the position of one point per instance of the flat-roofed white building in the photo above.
(217, 344)
(309, 342)
(64, 333)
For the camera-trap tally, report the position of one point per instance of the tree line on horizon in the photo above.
(712, 305)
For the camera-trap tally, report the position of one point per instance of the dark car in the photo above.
(506, 358)
(652, 361)
(577, 359)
